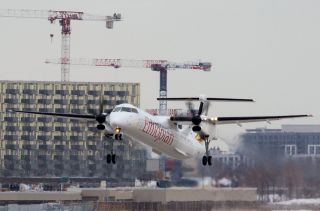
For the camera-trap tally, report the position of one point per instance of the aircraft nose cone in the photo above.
(117, 121)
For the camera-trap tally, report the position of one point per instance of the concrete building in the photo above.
(295, 141)
(34, 145)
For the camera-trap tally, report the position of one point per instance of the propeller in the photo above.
(196, 116)
(101, 116)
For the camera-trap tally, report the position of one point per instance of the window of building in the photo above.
(314, 149)
(290, 149)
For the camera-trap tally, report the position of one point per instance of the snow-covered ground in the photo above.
(300, 202)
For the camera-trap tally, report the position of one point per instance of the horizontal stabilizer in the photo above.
(208, 99)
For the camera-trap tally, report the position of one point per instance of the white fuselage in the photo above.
(157, 131)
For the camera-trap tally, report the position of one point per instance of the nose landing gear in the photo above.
(112, 157)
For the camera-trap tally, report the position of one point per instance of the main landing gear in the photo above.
(207, 159)
(112, 157)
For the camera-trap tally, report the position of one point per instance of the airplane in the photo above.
(179, 137)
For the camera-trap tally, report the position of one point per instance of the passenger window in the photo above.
(134, 110)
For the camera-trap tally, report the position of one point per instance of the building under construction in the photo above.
(35, 145)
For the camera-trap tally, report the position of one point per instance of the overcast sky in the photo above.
(266, 50)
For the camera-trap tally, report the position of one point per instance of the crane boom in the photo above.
(64, 18)
(156, 65)
(52, 15)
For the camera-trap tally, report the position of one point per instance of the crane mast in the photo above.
(64, 18)
(161, 66)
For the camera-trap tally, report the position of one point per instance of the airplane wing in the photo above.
(72, 116)
(234, 120)
(247, 119)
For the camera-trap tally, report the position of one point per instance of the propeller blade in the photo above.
(200, 108)
(101, 105)
(190, 108)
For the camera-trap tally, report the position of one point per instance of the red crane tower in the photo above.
(161, 66)
(64, 18)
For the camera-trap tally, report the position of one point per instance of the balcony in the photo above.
(11, 137)
(94, 92)
(28, 119)
(45, 128)
(61, 101)
(10, 157)
(29, 91)
(62, 92)
(44, 157)
(11, 119)
(121, 102)
(109, 102)
(77, 102)
(77, 111)
(60, 138)
(45, 147)
(12, 91)
(45, 92)
(11, 101)
(93, 102)
(30, 109)
(12, 128)
(28, 138)
(62, 120)
(61, 129)
(77, 147)
(60, 147)
(78, 92)
(76, 138)
(29, 128)
(46, 110)
(12, 146)
(123, 93)
(44, 138)
(62, 110)
(111, 93)
(77, 129)
(29, 147)
(44, 119)
(29, 101)
(45, 101)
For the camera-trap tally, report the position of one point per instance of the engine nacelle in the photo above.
(196, 128)
(101, 127)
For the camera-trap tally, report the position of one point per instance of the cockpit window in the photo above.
(126, 109)
(117, 109)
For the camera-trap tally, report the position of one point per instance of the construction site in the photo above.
(57, 163)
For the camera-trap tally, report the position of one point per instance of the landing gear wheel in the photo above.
(118, 136)
(204, 160)
(109, 158)
(113, 158)
(209, 160)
